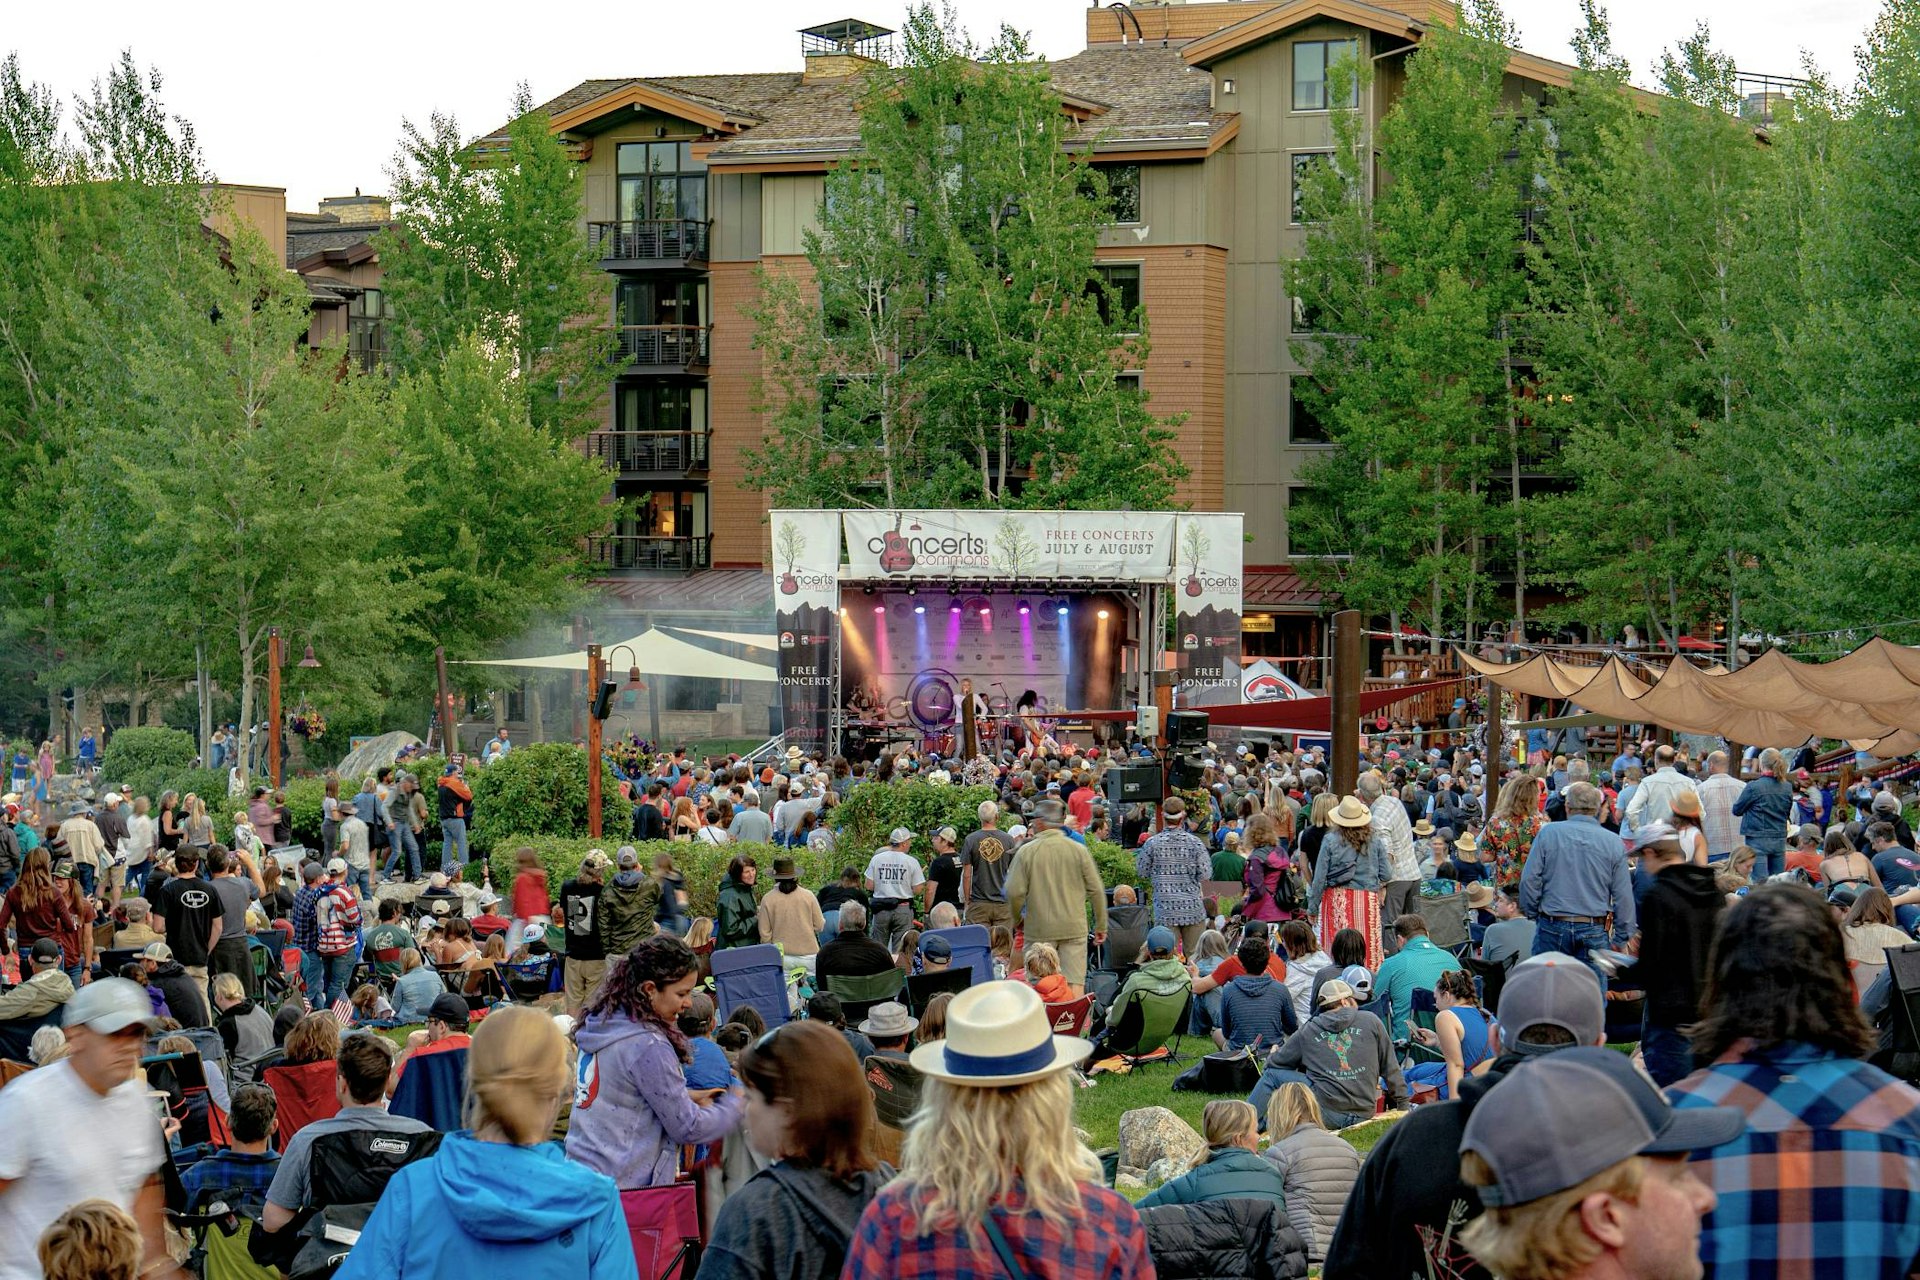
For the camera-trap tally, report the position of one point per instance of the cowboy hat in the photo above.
(998, 1034)
(1350, 812)
(1467, 844)
(1686, 804)
(1479, 895)
(1423, 828)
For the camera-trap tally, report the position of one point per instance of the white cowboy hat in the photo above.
(1350, 812)
(998, 1034)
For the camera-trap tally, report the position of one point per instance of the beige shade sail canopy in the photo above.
(655, 653)
(1870, 698)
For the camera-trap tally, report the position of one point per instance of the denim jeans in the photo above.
(136, 877)
(313, 977)
(1569, 938)
(1667, 1054)
(453, 835)
(1206, 1013)
(84, 874)
(404, 841)
(1270, 1081)
(1769, 857)
(361, 878)
(337, 971)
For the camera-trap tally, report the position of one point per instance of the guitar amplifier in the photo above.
(1134, 784)
(1187, 729)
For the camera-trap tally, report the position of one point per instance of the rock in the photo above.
(1086, 1139)
(1129, 1186)
(1155, 1133)
(373, 754)
(1165, 1170)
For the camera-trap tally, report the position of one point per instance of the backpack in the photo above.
(338, 915)
(1286, 892)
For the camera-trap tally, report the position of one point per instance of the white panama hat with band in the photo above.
(998, 1034)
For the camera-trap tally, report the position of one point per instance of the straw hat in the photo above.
(1350, 812)
(1423, 828)
(998, 1034)
(1467, 844)
(1479, 895)
(1687, 804)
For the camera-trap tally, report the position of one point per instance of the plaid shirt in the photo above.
(1105, 1242)
(306, 926)
(236, 1177)
(1826, 1180)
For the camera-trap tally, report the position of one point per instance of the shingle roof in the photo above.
(1150, 94)
(304, 242)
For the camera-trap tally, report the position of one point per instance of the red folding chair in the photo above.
(1070, 1018)
(664, 1225)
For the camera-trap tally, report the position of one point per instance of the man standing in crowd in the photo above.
(355, 849)
(1822, 1182)
(81, 1128)
(1054, 883)
(892, 875)
(1719, 791)
(749, 824)
(1576, 879)
(1653, 799)
(1583, 1169)
(112, 825)
(1175, 862)
(337, 915)
(193, 914)
(456, 808)
(1400, 894)
(306, 931)
(500, 745)
(84, 845)
(649, 820)
(586, 962)
(1403, 1217)
(231, 954)
(1678, 915)
(985, 859)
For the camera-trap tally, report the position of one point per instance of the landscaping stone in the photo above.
(1165, 1170)
(1129, 1186)
(1155, 1133)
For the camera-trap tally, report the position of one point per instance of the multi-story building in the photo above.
(1204, 116)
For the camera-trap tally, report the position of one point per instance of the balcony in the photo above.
(662, 243)
(650, 453)
(664, 348)
(650, 554)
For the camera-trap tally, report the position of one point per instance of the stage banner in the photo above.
(806, 564)
(1014, 546)
(1206, 624)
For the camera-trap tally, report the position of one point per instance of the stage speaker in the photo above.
(1187, 729)
(603, 701)
(1134, 783)
(1185, 772)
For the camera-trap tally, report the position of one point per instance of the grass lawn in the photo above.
(722, 746)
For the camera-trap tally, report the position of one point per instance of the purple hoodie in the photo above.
(631, 1110)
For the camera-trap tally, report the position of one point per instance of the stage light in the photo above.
(879, 608)
(953, 607)
(986, 612)
(868, 589)
(1102, 615)
(1062, 611)
(843, 611)
(913, 590)
(919, 608)
(1024, 609)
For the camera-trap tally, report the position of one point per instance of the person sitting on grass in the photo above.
(1255, 1011)
(1229, 1168)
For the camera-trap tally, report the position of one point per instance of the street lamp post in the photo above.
(593, 744)
(273, 705)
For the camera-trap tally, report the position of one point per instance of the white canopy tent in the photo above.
(654, 652)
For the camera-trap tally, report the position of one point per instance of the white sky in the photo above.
(310, 96)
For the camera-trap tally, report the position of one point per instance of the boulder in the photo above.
(370, 755)
(1165, 1170)
(1155, 1133)
(1130, 1187)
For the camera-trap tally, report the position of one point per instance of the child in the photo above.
(708, 1068)
(530, 901)
(369, 1006)
(1000, 942)
(94, 1240)
(671, 914)
(1043, 973)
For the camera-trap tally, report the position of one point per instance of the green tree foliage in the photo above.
(489, 244)
(1410, 287)
(541, 789)
(873, 809)
(950, 344)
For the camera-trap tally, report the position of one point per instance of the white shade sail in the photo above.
(749, 639)
(654, 652)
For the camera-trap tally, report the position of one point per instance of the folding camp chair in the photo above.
(858, 995)
(972, 949)
(528, 980)
(895, 1085)
(754, 976)
(183, 1078)
(663, 1224)
(433, 1089)
(114, 959)
(1445, 914)
(922, 987)
(1422, 1010)
(1126, 933)
(1493, 979)
(1141, 1025)
(1070, 1018)
(212, 1048)
(305, 1093)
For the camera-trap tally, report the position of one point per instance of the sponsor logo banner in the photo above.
(806, 568)
(1027, 546)
(1206, 594)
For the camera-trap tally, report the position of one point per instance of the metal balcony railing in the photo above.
(677, 345)
(654, 240)
(671, 555)
(650, 452)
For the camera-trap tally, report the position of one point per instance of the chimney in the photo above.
(836, 50)
(356, 209)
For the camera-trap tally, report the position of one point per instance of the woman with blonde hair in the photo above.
(1347, 877)
(498, 1198)
(1228, 1169)
(994, 1180)
(1516, 820)
(1317, 1168)
(1734, 876)
(197, 830)
(94, 1240)
(1319, 821)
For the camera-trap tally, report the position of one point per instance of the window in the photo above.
(1127, 382)
(1314, 523)
(1303, 424)
(1307, 317)
(1123, 191)
(660, 181)
(670, 302)
(1306, 165)
(663, 406)
(367, 317)
(1312, 60)
(1116, 291)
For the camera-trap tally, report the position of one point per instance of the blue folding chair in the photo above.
(433, 1090)
(751, 975)
(972, 949)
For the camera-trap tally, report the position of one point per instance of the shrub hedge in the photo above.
(138, 751)
(540, 790)
(873, 809)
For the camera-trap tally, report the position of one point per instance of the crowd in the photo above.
(545, 1078)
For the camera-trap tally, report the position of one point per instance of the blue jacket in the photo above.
(477, 1209)
(1763, 807)
(1253, 1007)
(1230, 1173)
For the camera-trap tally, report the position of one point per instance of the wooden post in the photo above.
(449, 730)
(593, 742)
(273, 705)
(1492, 767)
(1344, 682)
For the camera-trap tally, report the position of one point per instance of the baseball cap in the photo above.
(950, 834)
(1333, 991)
(1886, 802)
(110, 1006)
(158, 951)
(336, 866)
(629, 857)
(899, 834)
(1357, 977)
(45, 949)
(1551, 990)
(450, 1009)
(1560, 1120)
(1161, 940)
(936, 948)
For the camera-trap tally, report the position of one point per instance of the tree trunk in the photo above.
(1733, 610)
(244, 745)
(206, 702)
